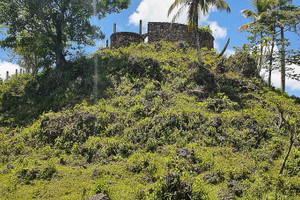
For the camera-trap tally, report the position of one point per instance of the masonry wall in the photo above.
(177, 32)
(125, 39)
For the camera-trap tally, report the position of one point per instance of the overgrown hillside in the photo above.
(145, 122)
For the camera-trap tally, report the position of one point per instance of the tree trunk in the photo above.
(198, 47)
(282, 59)
(224, 49)
(271, 56)
(289, 150)
(261, 52)
(59, 52)
(270, 74)
(60, 58)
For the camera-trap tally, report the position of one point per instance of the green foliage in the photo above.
(205, 29)
(172, 187)
(102, 187)
(47, 29)
(141, 123)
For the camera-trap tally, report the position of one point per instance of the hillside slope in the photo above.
(145, 122)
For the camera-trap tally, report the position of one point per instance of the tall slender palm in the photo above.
(194, 8)
(284, 7)
(275, 14)
(259, 16)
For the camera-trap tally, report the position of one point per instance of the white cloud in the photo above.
(229, 52)
(7, 66)
(218, 32)
(216, 45)
(157, 11)
(294, 85)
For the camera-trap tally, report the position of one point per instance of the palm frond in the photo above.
(279, 24)
(246, 26)
(249, 14)
(204, 6)
(192, 15)
(174, 5)
(178, 13)
(220, 5)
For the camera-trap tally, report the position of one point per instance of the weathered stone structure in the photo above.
(173, 32)
(157, 31)
(125, 39)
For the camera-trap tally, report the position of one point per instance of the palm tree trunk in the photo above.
(282, 59)
(261, 52)
(198, 47)
(224, 49)
(271, 64)
(288, 152)
(271, 57)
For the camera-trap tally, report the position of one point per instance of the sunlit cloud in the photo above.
(292, 84)
(7, 66)
(229, 52)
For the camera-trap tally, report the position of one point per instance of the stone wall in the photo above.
(177, 32)
(125, 39)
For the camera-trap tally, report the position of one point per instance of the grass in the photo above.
(149, 125)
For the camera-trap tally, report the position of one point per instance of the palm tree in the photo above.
(262, 9)
(272, 13)
(194, 8)
(284, 7)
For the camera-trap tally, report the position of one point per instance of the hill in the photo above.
(146, 122)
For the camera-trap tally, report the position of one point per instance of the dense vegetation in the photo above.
(271, 19)
(146, 122)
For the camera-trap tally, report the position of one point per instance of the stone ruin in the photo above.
(125, 39)
(157, 31)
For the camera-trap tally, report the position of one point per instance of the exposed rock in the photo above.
(185, 153)
(158, 46)
(216, 122)
(182, 45)
(221, 68)
(214, 177)
(204, 77)
(99, 197)
(236, 188)
(10, 166)
(244, 64)
(177, 188)
(200, 92)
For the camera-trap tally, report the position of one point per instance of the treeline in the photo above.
(271, 20)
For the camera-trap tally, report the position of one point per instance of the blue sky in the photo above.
(223, 24)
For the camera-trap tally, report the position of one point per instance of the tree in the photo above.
(270, 16)
(289, 17)
(293, 58)
(28, 59)
(262, 18)
(194, 8)
(50, 28)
